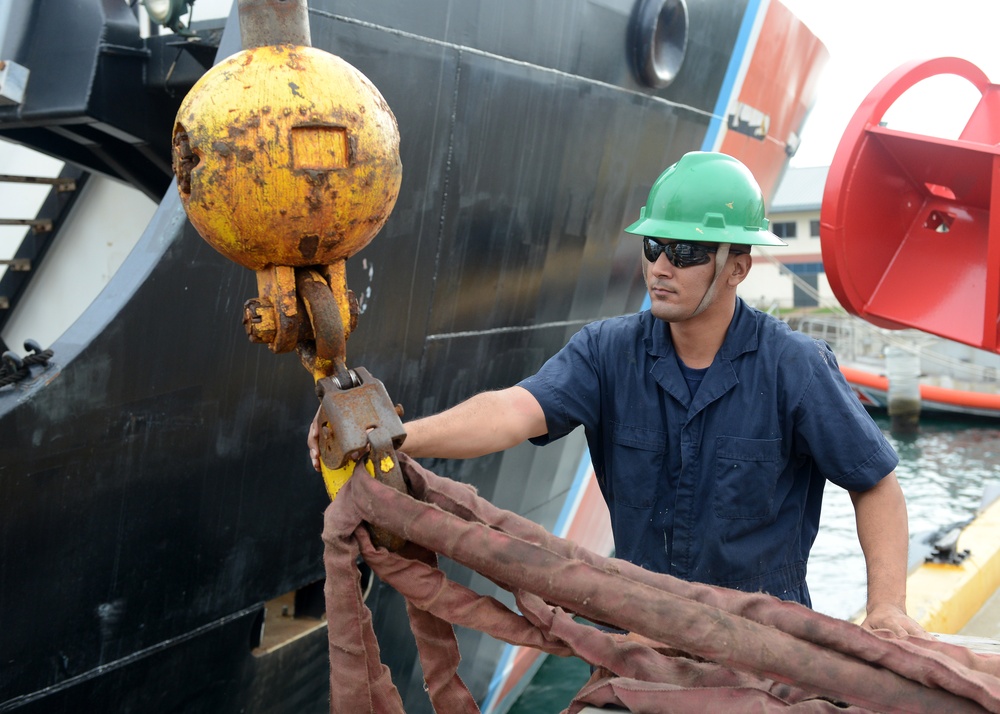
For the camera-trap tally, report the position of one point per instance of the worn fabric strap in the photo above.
(712, 638)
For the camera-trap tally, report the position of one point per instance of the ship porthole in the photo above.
(659, 40)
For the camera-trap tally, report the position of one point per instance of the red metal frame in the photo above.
(906, 228)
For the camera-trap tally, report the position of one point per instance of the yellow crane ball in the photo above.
(286, 155)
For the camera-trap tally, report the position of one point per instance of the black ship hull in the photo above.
(155, 492)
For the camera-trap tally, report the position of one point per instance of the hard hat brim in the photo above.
(678, 230)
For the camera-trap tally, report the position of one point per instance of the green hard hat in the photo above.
(707, 197)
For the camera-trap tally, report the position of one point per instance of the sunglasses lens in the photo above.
(687, 254)
(651, 249)
(680, 255)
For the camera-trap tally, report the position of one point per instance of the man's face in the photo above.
(676, 292)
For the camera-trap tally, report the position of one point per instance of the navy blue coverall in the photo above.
(724, 487)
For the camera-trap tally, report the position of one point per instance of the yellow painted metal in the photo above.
(335, 276)
(336, 478)
(942, 598)
(276, 284)
(286, 155)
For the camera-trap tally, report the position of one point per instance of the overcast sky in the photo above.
(867, 39)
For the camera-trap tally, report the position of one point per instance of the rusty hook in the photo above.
(330, 356)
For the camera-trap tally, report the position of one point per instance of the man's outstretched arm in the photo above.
(884, 536)
(483, 424)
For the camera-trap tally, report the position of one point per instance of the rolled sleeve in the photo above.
(567, 386)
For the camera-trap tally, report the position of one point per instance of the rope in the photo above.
(13, 368)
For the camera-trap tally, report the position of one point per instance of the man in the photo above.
(712, 427)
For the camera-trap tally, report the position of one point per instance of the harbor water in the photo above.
(943, 469)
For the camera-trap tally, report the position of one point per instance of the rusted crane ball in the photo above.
(286, 155)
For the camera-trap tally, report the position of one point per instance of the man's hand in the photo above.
(894, 619)
(883, 533)
(312, 441)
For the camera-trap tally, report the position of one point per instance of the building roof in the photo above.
(801, 189)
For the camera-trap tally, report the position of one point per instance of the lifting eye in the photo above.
(658, 38)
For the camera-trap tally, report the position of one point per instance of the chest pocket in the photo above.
(637, 465)
(746, 474)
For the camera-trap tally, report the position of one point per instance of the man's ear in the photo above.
(741, 268)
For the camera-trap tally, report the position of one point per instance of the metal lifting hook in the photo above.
(317, 172)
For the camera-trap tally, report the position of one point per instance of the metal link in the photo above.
(330, 355)
(355, 381)
(350, 414)
(359, 422)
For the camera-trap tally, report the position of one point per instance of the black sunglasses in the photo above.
(681, 254)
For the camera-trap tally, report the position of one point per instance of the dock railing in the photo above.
(862, 344)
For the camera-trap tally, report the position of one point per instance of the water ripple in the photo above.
(942, 471)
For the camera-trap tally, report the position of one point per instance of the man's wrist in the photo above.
(893, 603)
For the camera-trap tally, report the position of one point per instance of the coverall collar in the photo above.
(741, 337)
